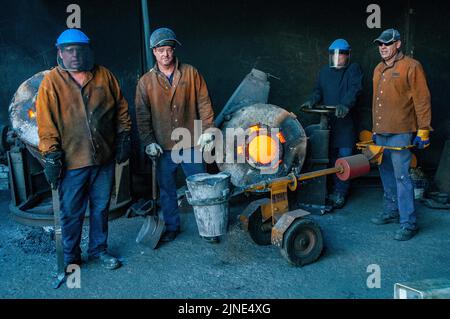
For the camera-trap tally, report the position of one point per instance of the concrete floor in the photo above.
(235, 268)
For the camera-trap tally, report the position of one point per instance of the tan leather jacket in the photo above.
(81, 121)
(161, 107)
(401, 99)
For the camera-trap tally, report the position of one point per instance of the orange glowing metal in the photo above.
(263, 149)
(254, 128)
(281, 137)
(31, 114)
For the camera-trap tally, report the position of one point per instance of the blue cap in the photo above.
(388, 35)
(72, 36)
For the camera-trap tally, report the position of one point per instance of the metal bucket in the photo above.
(209, 194)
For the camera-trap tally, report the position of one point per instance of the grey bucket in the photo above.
(209, 194)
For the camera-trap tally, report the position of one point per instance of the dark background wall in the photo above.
(226, 39)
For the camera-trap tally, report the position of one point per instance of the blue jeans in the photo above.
(339, 186)
(397, 184)
(91, 184)
(167, 180)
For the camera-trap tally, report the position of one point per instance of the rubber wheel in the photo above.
(302, 242)
(260, 232)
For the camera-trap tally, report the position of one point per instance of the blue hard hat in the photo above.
(339, 44)
(163, 36)
(72, 36)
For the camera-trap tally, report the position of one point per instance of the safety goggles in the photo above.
(388, 44)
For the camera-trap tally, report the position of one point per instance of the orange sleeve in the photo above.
(46, 104)
(123, 116)
(204, 104)
(421, 96)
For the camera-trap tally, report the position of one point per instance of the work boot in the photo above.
(385, 218)
(337, 200)
(108, 262)
(405, 233)
(212, 240)
(169, 235)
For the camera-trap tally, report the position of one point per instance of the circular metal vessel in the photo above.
(268, 142)
(22, 110)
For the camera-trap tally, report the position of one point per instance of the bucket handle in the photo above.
(209, 201)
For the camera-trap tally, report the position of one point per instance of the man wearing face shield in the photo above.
(339, 84)
(84, 129)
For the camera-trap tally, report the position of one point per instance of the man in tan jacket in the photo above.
(84, 128)
(401, 109)
(170, 97)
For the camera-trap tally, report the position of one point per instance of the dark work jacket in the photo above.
(339, 86)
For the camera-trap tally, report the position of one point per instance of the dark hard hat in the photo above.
(162, 37)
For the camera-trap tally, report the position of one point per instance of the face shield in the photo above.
(75, 57)
(339, 58)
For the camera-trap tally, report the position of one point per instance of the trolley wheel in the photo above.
(260, 232)
(302, 242)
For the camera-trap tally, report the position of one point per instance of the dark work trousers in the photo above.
(93, 185)
(167, 180)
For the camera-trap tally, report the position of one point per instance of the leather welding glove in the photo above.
(206, 142)
(308, 105)
(123, 147)
(153, 149)
(53, 167)
(422, 139)
(341, 111)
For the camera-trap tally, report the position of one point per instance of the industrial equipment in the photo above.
(269, 220)
(274, 146)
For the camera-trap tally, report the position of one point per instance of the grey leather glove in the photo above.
(308, 105)
(153, 149)
(341, 111)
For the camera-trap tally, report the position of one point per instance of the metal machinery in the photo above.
(274, 146)
(31, 197)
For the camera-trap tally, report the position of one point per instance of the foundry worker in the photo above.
(84, 129)
(170, 96)
(401, 110)
(339, 84)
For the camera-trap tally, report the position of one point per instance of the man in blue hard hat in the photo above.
(401, 114)
(339, 84)
(84, 129)
(172, 95)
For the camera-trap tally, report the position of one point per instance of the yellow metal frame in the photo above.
(374, 153)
